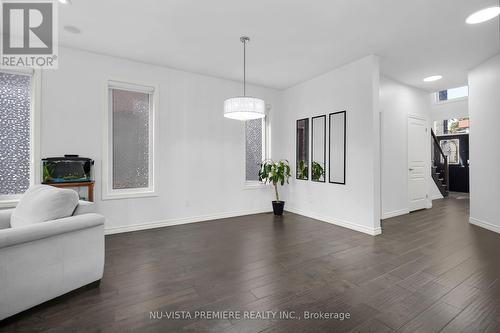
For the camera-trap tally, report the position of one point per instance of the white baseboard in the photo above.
(484, 224)
(339, 222)
(203, 218)
(178, 221)
(395, 213)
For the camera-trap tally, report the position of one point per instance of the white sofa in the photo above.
(50, 257)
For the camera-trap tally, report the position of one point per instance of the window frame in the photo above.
(108, 193)
(266, 152)
(10, 201)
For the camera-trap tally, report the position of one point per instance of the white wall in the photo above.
(448, 110)
(397, 102)
(484, 112)
(394, 103)
(354, 88)
(201, 153)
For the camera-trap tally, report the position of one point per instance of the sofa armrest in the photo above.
(30, 233)
(5, 218)
(84, 207)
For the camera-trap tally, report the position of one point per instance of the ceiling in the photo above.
(291, 40)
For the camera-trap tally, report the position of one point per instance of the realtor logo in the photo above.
(29, 37)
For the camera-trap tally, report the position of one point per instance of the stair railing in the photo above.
(439, 156)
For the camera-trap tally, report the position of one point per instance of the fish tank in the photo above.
(67, 169)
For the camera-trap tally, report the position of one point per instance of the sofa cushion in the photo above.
(41, 203)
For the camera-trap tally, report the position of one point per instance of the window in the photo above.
(130, 133)
(255, 148)
(451, 126)
(18, 159)
(454, 93)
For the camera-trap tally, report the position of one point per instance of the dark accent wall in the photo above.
(459, 174)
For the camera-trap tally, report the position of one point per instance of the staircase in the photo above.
(439, 166)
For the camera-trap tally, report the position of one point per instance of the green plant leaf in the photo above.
(275, 172)
(317, 171)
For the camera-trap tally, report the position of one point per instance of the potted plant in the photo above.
(275, 173)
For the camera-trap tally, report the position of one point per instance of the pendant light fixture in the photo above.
(244, 107)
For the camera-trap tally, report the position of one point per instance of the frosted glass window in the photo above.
(130, 115)
(255, 145)
(15, 120)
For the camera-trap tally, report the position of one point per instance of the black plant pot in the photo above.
(278, 207)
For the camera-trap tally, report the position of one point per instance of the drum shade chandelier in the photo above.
(244, 107)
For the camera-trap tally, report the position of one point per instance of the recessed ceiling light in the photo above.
(483, 15)
(65, 2)
(72, 29)
(433, 78)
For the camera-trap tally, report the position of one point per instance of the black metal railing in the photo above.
(439, 161)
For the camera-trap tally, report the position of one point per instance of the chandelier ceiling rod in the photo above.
(244, 40)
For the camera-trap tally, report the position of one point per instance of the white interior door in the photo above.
(417, 182)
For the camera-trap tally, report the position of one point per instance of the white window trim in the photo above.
(9, 201)
(108, 193)
(266, 154)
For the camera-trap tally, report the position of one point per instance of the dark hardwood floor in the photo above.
(430, 271)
